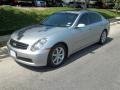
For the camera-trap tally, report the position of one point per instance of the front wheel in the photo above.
(103, 37)
(57, 55)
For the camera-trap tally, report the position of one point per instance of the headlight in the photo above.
(38, 44)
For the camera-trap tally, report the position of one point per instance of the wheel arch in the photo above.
(106, 30)
(66, 46)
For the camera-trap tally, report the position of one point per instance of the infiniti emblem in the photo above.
(14, 44)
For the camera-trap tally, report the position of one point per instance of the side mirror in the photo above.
(81, 25)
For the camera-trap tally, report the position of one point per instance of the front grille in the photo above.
(24, 59)
(18, 45)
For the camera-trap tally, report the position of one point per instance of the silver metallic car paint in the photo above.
(74, 38)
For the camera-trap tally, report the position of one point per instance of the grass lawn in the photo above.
(14, 18)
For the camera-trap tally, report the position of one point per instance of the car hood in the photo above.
(31, 34)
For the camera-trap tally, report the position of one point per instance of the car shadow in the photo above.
(69, 60)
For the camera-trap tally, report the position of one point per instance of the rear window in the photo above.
(94, 18)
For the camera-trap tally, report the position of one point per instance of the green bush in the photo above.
(14, 18)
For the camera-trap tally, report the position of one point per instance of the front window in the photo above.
(84, 19)
(60, 20)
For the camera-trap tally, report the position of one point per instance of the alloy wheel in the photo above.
(58, 55)
(103, 37)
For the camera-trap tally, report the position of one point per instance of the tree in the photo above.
(117, 5)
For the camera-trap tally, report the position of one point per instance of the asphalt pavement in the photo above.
(94, 68)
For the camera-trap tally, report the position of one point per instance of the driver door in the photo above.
(82, 35)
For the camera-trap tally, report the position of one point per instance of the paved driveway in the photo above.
(94, 68)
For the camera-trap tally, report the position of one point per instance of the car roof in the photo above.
(77, 12)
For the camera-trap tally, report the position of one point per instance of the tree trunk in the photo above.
(86, 3)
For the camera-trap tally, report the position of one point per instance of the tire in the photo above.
(56, 56)
(103, 37)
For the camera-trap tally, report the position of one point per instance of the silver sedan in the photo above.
(57, 37)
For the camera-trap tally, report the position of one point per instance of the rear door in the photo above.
(95, 26)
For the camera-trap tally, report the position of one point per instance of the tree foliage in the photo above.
(117, 4)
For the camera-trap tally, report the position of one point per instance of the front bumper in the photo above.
(30, 58)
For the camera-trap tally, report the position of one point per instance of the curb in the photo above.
(113, 23)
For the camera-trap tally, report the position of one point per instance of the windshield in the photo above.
(60, 20)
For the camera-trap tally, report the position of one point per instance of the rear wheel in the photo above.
(103, 37)
(57, 55)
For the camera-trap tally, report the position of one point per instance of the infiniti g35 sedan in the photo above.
(57, 37)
